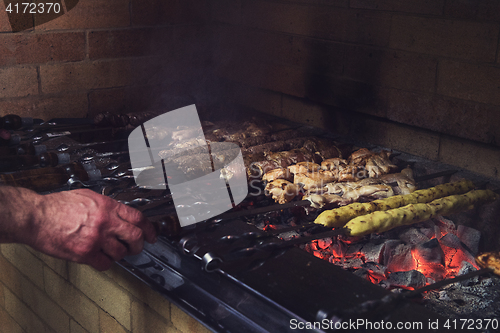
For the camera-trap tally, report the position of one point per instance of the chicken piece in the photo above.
(320, 201)
(332, 164)
(359, 155)
(369, 191)
(311, 180)
(279, 173)
(282, 190)
(304, 167)
(293, 156)
(341, 188)
(404, 179)
(379, 164)
(352, 173)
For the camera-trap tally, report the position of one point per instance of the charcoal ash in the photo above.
(474, 298)
(465, 268)
(407, 279)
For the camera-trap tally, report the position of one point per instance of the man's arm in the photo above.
(77, 225)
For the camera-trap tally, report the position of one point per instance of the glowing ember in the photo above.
(409, 258)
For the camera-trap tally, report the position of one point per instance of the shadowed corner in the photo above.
(22, 17)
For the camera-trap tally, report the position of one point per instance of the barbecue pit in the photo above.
(415, 77)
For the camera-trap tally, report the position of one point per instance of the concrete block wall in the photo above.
(46, 295)
(419, 76)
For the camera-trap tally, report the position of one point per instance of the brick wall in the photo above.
(115, 55)
(419, 76)
(41, 294)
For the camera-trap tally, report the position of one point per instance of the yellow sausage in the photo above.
(381, 221)
(338, 217)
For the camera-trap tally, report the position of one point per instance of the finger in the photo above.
(100, 261)
(131, 235)
(114, 249)
(135, 217)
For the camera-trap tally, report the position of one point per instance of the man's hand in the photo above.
(86, 227)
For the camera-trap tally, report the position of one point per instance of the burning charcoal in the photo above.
(353, 250)
(325, 255)
(430, 259)
(376, 271)
(401, 259)
(429, 252)
(409, 279)
(430, 229)
(445, 226)
(289, 235)
(455, 252)
(450, 240)
(469, 237)
(465, 268)
(362, 273)
(413, 236)
(324, 243)
(389, 248)
(373, 252)
(352, 263)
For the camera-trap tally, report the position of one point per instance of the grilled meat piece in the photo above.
(332, 164)
(282, 190)
(303, 167)
(322, 200)
(404, 179)
(286, 158)
(380, 191)
(277, 174)
(312, 180)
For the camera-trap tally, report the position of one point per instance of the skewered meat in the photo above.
(303, 167)
(321, 200)
(312, 180)
(360, 164)
(293, 156)
(380, 191)
(404, 179)
(334, 164)
(275, 146)
(277, 174)
(381, 221)
(282, 190)
(379, 164)
(358, 156)
(368, 188)
(340, 216)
